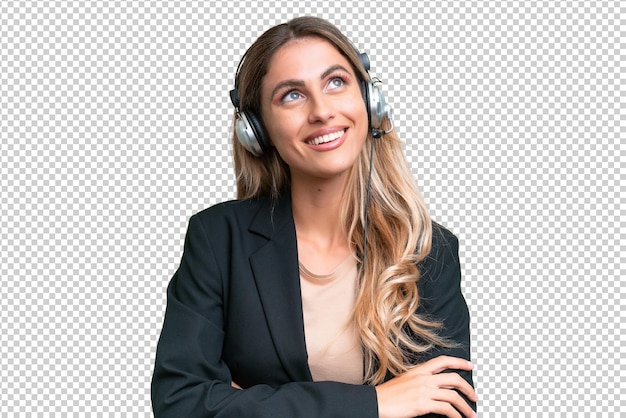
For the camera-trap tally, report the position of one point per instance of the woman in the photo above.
(325, 290)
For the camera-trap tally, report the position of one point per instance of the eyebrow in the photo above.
(300, 83)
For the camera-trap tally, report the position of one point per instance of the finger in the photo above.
(235, 385)
(446, 409)
(455, 400)
(454, 381)
(441, 363)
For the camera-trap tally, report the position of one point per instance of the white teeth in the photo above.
(326, 138)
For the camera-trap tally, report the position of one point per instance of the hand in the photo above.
(235, 385)
(424, 389)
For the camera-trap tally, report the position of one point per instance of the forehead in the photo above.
(303, 58)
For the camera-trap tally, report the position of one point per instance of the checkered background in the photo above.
(114, 119)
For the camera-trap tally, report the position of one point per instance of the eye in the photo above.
(336, 82)
(290, 96)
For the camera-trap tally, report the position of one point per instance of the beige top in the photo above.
(331, 340)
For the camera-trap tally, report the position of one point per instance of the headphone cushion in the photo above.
(376, 105)
(365, 93)
(259, 131)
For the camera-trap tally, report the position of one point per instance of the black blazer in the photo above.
(234, 313)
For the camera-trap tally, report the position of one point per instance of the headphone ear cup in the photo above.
(245, 134)
(259, 131)
(251, 134)
(376, 106)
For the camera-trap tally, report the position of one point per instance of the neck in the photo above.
(319, 228)
(316, 205)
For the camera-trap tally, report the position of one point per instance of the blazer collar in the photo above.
(277, 277)
(273, 216)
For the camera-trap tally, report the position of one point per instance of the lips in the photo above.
(323, 139)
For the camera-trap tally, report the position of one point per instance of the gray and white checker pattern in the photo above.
(114, 118)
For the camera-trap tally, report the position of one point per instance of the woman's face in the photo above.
(313, 110)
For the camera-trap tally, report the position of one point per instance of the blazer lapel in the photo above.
(275, 269)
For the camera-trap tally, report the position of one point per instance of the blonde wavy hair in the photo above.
(399, 233)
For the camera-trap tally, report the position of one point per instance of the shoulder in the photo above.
(440, 279)
(443, 240)
(229, 208)
(223, 219)
(444, 252)
(262, 216)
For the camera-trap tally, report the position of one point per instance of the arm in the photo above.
(190, 376)
(428, 383)
(442, 299)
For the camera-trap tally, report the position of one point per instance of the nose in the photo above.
(320, 108)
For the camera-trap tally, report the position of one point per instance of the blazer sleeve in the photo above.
(442, 299)
(190, 378)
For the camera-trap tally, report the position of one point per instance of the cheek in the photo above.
(280, 134)
(360, 114)
(356, 106)
(273, 130)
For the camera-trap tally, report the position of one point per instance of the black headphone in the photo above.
(252, 135)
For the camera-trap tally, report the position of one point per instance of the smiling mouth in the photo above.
(326, 138)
